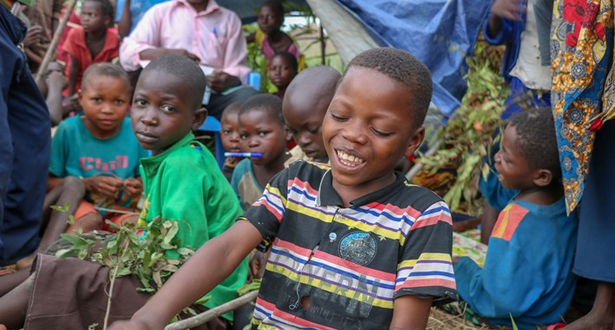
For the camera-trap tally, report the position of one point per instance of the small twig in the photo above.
(110, 296)
(212, 313)
(419, 166)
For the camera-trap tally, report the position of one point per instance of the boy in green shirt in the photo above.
(179, 185)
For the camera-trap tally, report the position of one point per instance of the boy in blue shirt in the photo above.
(528, 268)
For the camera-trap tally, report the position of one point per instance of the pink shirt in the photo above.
(214, 35)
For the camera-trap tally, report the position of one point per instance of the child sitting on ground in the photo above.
(179, 185)
(230, 137)
(528, 268)
(282, 69)
(306, 102)
(261, 129)
(100, 149)
(94, 42)
(354, 246)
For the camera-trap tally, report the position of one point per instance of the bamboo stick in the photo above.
(212, 313)
(51, 51)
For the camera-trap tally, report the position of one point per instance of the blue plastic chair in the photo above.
(212, 124)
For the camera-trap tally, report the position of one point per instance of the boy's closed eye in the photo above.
(380, 132)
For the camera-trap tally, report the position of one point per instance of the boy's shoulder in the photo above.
(400, 195)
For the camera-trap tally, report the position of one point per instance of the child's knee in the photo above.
(87, 223)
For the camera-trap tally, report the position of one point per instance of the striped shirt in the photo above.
(333, 267)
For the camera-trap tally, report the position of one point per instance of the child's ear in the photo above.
(415, 141)
(80, 95)
(107, 21)
(199, 117)
(288, 135)
(543, 177)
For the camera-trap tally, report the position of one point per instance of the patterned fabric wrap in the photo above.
(581, 53)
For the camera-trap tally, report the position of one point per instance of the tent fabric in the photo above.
(440, 33)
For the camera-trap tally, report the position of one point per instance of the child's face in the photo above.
(305, 122)
(367, 128)
(162, 111)
(261, 133)
(105, 101)
(268, 21)
(281, 72)
(514, 172)
(230, 132)
(92, 18)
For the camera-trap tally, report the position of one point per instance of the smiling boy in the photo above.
(352, 247)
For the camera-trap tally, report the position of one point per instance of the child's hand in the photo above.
(70, 104)
(56, 80)
(221, 81)
(33, 36)
(104, 185)
(184, 52)
(133, 187)
(509, 9)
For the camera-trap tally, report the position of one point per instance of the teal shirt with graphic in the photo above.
(75, 152)
(185, 184)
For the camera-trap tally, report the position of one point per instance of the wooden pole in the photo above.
(51, 51)
(213, 313)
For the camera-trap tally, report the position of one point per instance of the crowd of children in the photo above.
(340, 238)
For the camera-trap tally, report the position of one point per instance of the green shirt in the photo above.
(184, 184)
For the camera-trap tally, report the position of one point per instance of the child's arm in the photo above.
(211, 264)
(410, 313)
(501, 10)
(73, 71)
(123, 26)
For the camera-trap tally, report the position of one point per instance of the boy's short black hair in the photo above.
(107, 70)
(187, 70)
(106, 6)
(271, 104)
(276, 6)
(232, 108)
(290, 57)
(404, 68)
(536, 139)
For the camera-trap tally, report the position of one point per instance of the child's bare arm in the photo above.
(73, 71)
(210, 265)
(504, 9)
(410, 313)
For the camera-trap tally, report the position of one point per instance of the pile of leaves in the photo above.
(126, 252)
(466, 138)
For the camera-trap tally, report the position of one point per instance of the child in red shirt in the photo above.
(94, 42)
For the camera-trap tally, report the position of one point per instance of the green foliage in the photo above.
(64, 208)
(255, 284)
(127, 252)
(466, 138)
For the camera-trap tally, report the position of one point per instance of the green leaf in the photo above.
(60, 208)
(202, 300)
(513, 322)
(74, 240)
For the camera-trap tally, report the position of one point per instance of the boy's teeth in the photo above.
(350, 158)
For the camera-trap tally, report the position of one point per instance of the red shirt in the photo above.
(75, 45)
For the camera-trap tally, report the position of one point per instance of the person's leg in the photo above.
(602, 314)
(14, 305)
(219, 102)
(11, 281)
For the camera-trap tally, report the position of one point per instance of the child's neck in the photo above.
(542, 195)
(276, 36)
(95, 41)
(264, 172)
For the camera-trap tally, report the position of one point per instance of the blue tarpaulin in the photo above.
(440, 33)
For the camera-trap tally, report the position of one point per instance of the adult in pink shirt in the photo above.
(202, 31)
